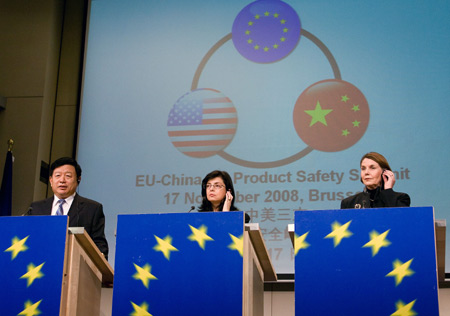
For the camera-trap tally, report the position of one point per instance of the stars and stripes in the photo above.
(202, 122)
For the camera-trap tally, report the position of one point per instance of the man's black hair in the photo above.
(66, 161)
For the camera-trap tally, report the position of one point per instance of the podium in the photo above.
(258, 269)
(367, 261)
(189, 264)
(86, 271)
(49, 269)
(440, 229)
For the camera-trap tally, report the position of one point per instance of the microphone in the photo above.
(366, 197)
(28, 212)
(78, 214)
(192, 208)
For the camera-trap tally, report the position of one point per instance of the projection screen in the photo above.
(284, 96)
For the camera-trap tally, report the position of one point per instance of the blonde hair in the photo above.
(378, 158)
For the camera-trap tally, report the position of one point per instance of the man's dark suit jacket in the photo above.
(82, 213)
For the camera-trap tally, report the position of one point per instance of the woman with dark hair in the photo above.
(378, 180)
(218, 193)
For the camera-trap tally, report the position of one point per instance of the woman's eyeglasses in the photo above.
(215, 186)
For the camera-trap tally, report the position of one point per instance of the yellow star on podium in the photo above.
(404, 310)
(377, 241)
(199, 235)
(339, 232)
(300, 242)
(400, 271)
(143, 274)
(165, 246)
(140, 310)
(237, 244)
(33, 273)
(31, 309)
(17, 246)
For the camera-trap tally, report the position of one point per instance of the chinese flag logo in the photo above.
(331, 115)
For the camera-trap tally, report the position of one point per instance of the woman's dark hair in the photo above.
(206, 205)
(66, 161)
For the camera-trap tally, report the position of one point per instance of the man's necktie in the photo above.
(60, 210)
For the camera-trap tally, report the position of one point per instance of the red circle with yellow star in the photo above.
(331, 115)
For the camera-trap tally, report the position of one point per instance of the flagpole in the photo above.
(10, 143)
(6, 184)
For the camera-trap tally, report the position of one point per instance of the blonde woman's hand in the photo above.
(389, 179)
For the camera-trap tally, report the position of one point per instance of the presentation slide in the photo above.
(286, 96)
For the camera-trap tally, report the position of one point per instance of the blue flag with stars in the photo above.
(366, 262)
(31, 264)
(6, 186)
(179, 264)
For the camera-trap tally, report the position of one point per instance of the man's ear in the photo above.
(78, 180)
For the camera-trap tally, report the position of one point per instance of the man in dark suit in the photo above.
(65, 175)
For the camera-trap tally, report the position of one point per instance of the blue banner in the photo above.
(179, 264)
(366, 262)
(31, 264)
(6, 189)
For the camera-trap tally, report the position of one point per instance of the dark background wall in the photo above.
(41, 56)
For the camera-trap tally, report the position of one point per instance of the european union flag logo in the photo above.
(31, 264)
(179, 264)
(366, 262)
(266, 31)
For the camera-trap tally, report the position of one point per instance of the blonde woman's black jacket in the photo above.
(382, 198)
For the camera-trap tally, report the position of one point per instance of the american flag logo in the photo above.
(202, 122)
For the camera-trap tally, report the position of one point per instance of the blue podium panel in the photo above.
(31, 264)
(179, 264)
(366, 262)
